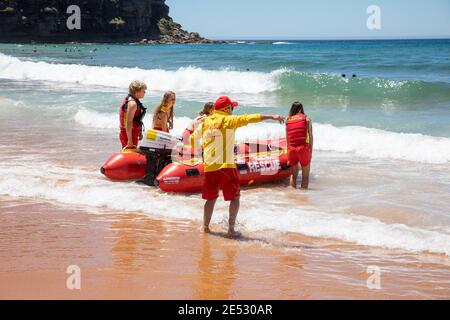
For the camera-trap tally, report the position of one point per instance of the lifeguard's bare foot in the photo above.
(206, 229)
(232, 234)
(293, 183)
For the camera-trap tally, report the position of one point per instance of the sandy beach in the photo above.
(132, 256)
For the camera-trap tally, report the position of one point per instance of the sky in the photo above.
(312, 19)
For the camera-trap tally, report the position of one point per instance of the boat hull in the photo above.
(256, 163)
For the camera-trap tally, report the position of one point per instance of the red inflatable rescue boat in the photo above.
(125, 166)
(256, 163)
(259, 162)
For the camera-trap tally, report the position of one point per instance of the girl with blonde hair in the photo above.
(132, 113)
(163, 115)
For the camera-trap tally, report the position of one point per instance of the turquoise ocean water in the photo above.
(401, 86)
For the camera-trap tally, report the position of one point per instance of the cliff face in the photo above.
(101, 20)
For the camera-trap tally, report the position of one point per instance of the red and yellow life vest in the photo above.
(298, 130)
(138, 116)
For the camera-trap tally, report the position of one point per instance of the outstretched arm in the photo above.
(277, 117)
(241, 121)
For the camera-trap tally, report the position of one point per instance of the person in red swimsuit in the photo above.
(132, 113)
(207, 110)
(163, 115)
(299, 136)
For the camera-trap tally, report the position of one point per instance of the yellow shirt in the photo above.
(218, 136)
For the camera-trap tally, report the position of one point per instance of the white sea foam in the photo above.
(188, 79)
(358, 141)
(93, 119)
(365, 142)
(380, 144)
(357, 229)
(87, 188)
(282, 42)
(197, 82)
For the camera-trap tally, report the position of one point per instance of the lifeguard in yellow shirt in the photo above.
(218, 137)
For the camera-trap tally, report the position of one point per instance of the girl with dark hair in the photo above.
(299, 135)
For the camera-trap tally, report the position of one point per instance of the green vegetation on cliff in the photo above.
(101, 20)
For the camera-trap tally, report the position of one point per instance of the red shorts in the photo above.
(226, 179)
(124, 137)
(301, 154)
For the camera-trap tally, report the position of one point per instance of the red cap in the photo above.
(224, 102)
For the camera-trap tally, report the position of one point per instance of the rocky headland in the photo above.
(99, 21)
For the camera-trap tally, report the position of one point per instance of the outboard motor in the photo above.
(157, 146)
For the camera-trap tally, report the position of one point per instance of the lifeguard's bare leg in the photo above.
(234, 210)
(305, 176)
(207, 214)
(294, 176)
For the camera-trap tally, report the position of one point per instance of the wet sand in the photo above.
(132, 256)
